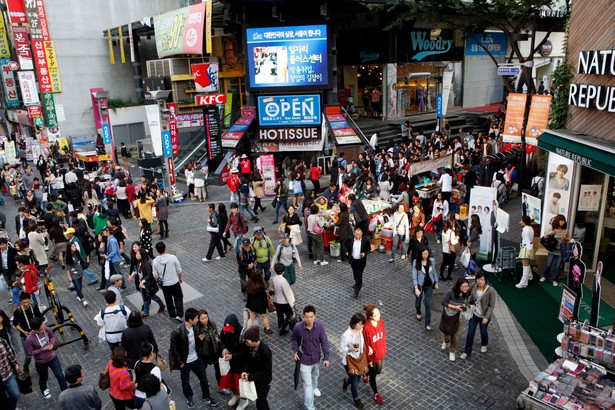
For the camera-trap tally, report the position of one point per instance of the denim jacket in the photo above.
(418, 277)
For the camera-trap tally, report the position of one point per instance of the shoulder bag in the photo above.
(104, 382)
(469, 312)
(357, 367)
(270, 305)
(161, 362)
(161, 278)
(549, 242)
(454, 247)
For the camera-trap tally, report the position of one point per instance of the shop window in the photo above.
(588, 211)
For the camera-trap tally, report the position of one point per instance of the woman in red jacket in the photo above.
(374, 334)
(122, 389)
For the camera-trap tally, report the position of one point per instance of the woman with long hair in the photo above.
(89, 196)
(259, 191)
(122, 388)
(75, 270)
(208, 342)
(439, 215)
(353, 345)
(7, 333)
(527, 250)
(145, 235)
(146, 283)
(455, 301)
(417, 219)
(425, 280)
(476, 230)
(289, 220)
(223, 216)
(418, 243)
(132, 337)
(345, 229)
(315, 228)
(559, 228)
(483, 297)
(144, 205)
(256, 302)
(189, 173)
(162, 213)
(450, 238)
(374, 334)
(401, 232)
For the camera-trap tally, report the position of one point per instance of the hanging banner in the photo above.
(166, 144)
(131, 44)
(180, 31)
(211, 115)
(22, 46)
(95, 110)
(515, 113)
(5, 50)
(17, 11)
(447, 84)
(110, 40)
(27, 84)
(481, 204)
(41, 66)
(153, 120)
(557, 197)
(50, 110)
(171, 168)
(266, 164)
(122, 54)
(173, 127)
(391, 98)
(538, 118)
(208, 15)
(42, 17)
(33, 19)
(205, 77)
(52, 67)
(8, 81)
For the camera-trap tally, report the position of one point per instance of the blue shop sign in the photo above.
(106, 133)
(167, 148)
(494, 42)
(290, 110)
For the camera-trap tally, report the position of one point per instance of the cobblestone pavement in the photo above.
(416, 375)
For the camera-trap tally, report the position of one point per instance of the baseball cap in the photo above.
(245, 242)
(69, 230)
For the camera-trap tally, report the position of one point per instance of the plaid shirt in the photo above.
(8, 361)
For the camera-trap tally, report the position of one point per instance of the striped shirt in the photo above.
(35, 346)
(121, 387)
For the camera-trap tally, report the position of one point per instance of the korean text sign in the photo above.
(287, 56)
(289, 110)
(180, 31)
(492, 41)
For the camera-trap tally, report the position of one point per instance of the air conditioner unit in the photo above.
(173, 66)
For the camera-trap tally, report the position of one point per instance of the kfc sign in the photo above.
(210, 99)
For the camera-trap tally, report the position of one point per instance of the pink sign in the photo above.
(97, 119)
(336, 117)
(267, 168)
(344, 132)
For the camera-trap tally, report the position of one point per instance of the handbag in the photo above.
(247, 390)
(104, 382)
(469, 312)
(214, 229)
(297, 189)
(549, 242)
(429, 228)
(270, 305)
(454, 247)
(160, 280)
(336, 230)
(294, 319)
(161, 362)
(225, 366)
(274, 203)
(24, 382)
(357, 367)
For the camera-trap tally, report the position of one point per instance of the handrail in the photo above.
(362, 136)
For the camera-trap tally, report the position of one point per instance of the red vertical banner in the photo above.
(40, 60)
(42, 17)
(171, 168)
(22, 46)
(17, 11)
(173, 128)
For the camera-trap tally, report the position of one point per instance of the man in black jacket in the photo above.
(21, 219)
(183, 356)
(8, 265)
(257, 369)
(357, 249)
(361, 217)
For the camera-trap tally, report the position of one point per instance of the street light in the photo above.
(102, 99)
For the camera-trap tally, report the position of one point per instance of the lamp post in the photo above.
(160, 96)
(102, 99)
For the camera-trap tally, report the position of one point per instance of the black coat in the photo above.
(131, 341)
(11, 263)
(259, 365)
(365, 247)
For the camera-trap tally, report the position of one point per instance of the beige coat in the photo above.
(259, 191)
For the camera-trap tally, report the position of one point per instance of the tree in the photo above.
(513, 17)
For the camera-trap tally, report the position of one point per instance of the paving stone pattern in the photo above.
(416, 375)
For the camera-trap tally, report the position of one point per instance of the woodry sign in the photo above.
(592, 96)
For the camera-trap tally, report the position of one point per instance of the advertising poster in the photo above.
(481, 204)
(502, 219)
(538, 118)
(231, 137)
(17, 11)
(531, 207)
(392, 113)
(173, 37)
(173, 127)
(27, 84)
(589, 198)
(287, 56)
(515, 112)
(266, 164)
(289, 110)
(559, 177)
(153, 120)
(22, 48)
(341, 130)
(566, 305)
(229, 50)
(205, 77)
(5, 50)
(495, 42)
(289, 139)
(42, 69)
(52, 66)
(9, 152)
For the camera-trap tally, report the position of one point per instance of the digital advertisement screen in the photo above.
(292, 56)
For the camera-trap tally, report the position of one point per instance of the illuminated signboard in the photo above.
(292, 56)
(289, 110)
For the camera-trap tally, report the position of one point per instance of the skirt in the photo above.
(525, 253)
(449, 324)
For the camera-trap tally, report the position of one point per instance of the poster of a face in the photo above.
(589, 198)
(560, 173)
(481, 204)
(531, 206)
(270, 65)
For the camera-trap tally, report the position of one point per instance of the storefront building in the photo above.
(581, 157)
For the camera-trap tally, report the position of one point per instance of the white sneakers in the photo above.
(483, 349)
(543, 279)
(324, 263)
(243, 404)
(451, 357)
(463, 356)
(206, 260)
(47, 394)
(85, 303)
(317, 393)
(233, 401)
(316, 262)
(444, 346)
(520, 286)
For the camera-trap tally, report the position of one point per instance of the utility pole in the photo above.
(528, 102)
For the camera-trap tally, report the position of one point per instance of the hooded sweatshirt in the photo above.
(232, 342)
(168, 268)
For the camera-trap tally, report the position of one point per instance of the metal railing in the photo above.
(360, 134)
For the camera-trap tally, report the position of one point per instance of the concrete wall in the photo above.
(129, 115)
(76, 27)
(481, 84)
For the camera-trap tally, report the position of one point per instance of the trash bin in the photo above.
(334, 249)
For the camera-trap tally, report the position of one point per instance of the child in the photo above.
(75, 271)
(14, 191)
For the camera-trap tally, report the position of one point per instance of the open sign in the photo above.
(289, 110)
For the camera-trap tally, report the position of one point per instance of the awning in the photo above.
(587, 150)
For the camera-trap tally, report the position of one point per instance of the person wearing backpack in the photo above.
(263, 248)
(113, 320)
(30, 276)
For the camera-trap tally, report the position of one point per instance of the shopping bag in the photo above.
(297, 189)
(464, 259)
(225, 366)
(247, 390)
(3, 285)
(429, 228)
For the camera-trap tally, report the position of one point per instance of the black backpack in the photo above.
(535, 189)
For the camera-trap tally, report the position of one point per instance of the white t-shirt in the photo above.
(356, 248)
(114, 321)
(447, 182)
(191, 347)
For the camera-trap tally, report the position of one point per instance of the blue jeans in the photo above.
(438, 226)
(12, 390)
(89, 275)
(78, 283)
(244, 208)
(309, 376)
(354, 384)
(426, 291)
(396, 239)
(309, 241)
(147, 299)
(28, 359)
(43, 372)
(281, 204)
(555, 261)
(484, 335)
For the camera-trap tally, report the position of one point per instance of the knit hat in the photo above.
(252, 334)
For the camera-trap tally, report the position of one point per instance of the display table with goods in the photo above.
(583, 378)
(428, 190)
